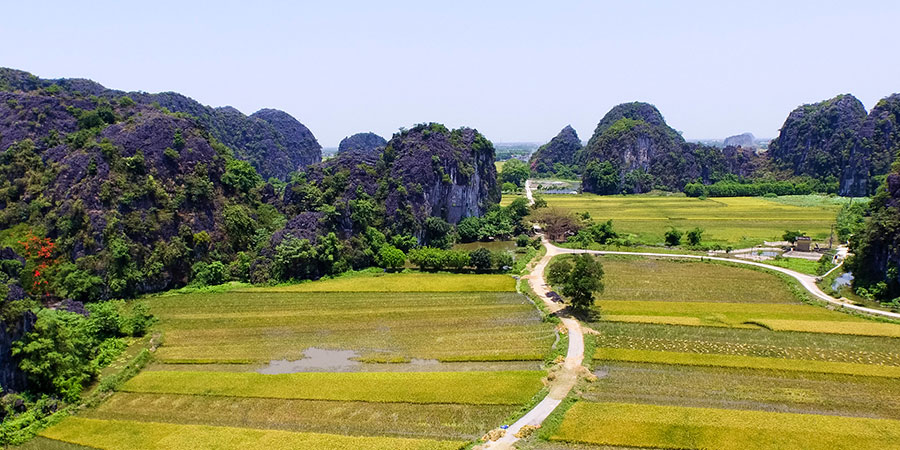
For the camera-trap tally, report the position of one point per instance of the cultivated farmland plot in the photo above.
(736, 221)
(701, 355)
(409, 361)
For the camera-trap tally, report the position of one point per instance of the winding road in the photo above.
(567, 375)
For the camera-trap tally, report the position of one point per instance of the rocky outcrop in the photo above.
(875, 148)
(362, 142)
(745, 140)
(636, 140)
(816, 139)
(447, 174)
(876, 261)
(299, 144)
(560, 150)
(102, 174)
(275, 143)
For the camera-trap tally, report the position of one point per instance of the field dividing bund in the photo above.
(367, 361)
(635, 425)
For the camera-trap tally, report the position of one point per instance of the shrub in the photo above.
(502, 260)
(390, 257)
(673, 237)
(694, 236)
(480, 259)
(209, 274)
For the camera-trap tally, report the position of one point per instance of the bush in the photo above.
(502, 260)
(209, 274)
(673, 237)
(695, 236)
(428, 258)
(481, 259)
(508, 187)
(523, 240)
(390, 257)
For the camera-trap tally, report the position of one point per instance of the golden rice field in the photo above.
(737, 221)
(642, 425)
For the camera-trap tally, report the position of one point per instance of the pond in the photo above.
(509, 246)
(841, 281)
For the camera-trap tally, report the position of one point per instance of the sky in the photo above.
(518, 71)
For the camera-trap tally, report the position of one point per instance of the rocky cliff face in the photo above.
(875, 148)
(561, 149)
(443, 173)
(876, 261)
(635, 139)
(816, 140)
(745, 140)
(275, 143)
(362, 142)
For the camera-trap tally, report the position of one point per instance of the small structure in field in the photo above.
(802, 243)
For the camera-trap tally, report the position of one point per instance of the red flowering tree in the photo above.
(39, 258)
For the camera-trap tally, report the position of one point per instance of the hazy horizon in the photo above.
(516, 71)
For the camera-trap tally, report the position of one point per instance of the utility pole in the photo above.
(831, 237)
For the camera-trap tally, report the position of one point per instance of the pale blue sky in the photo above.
(515, 70)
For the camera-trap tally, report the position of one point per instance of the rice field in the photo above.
(259, 326)
(406, 361)
(736, 221)
(642, 425)
(119, 434)
(760, 390)
(494, 387)
(696, 355)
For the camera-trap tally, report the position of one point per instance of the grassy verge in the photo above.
(494, 388)
(635, 425)
(749, 362)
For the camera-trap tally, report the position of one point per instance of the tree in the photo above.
(557, 223)
(694, 236)
(438, 233)
(515, 171)
(502, 260)
(240, 176)
(583, 281)
(480, 259)
(469, 229)
(239, 226)
(428, 258)
(558, 272)
(508, 187)
(791, 236)
(457, 259)
(601, 178)
(295, 259)
(673, 237)
(56, 354)
(523, 241)
(390, 257)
